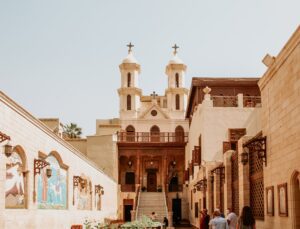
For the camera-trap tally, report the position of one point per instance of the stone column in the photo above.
(138, 169)
(240, 100)
(164, 173)
(170, 219)
(133, 212)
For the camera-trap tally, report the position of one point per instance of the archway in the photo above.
(295, 188)
(154, 132)
(130, 133)
(179, 134)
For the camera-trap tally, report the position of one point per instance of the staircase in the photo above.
(152, 202)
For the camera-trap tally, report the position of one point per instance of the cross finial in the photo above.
(154, 95)
(175, 47)
(130, 46)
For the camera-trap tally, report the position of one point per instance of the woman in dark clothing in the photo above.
(204, 219)
(246, 220)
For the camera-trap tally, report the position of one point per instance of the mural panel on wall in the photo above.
(52, 192)
(15, 182)
(82, 193)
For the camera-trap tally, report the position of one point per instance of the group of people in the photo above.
(231, 221)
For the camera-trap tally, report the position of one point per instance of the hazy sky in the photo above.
(60, 58)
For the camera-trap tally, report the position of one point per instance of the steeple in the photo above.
(129, 93)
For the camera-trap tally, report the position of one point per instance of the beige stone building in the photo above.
(248, 153)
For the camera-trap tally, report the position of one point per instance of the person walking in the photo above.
(231, 218)
(246, 220)
(204, 219)
(218, 222)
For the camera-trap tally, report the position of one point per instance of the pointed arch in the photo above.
(59, 159)
(177, 102)
(128, 102)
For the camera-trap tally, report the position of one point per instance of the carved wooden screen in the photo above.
(256, 185)
(235, 182)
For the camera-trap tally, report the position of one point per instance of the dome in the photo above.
(130, 59)
(175, 60)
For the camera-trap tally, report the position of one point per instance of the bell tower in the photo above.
(129, 93)
(176, 92)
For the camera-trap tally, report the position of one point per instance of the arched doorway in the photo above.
(296, 198)
(179, 134)
(154, 133)
(130, 132)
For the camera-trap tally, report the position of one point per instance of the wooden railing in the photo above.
(147, 137)
(136, 197)
(224, 101)
(251, 101)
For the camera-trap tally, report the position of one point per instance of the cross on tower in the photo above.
(130, 46)
(175, 47)
(154, 95)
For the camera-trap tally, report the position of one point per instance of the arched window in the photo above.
(177, 80)
(128, 79)
(15, 182)
(179, 134)
(177, 102)
(52, 191)
(154, 133)
(130, 132)
(128, 102)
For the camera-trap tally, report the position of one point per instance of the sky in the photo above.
(60, 58)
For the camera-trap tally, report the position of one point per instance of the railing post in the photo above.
(240, 100)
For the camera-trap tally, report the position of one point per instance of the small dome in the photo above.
(130, 59)
(175, 60)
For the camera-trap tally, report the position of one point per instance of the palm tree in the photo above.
(72, 130)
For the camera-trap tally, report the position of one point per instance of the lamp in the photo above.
(129, 164)
(48, 171)
(8, 150)
(245, 156)
(173, 163)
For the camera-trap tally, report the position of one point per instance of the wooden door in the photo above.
(151, 181)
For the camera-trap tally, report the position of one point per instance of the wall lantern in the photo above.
(129, 164)
(245, 156)
(8, 150)
(48, 171)
(173, 163)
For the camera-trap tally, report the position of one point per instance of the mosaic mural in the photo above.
(52, 192)
(15, 182)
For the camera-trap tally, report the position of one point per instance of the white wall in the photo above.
(33, 137)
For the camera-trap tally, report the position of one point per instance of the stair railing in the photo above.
(137, 201)
(166, 203)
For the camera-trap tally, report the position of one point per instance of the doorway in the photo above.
(296, 198)
(128, 207)
(176, 208)
(151, 181)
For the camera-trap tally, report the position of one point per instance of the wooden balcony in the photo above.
(147, 137)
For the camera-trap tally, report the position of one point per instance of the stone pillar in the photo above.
(2, 184)
(240, 100)
(228, 180)
(170, 219)
(164, 173)
(133, 212)
(138, 168)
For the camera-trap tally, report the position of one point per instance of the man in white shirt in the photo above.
(218, 222)
(231, 218)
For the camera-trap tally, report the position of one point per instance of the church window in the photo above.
(128, 79)
(177, 79)
(177, 102)
(153, 112)
(128, 102)
(179, 133)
